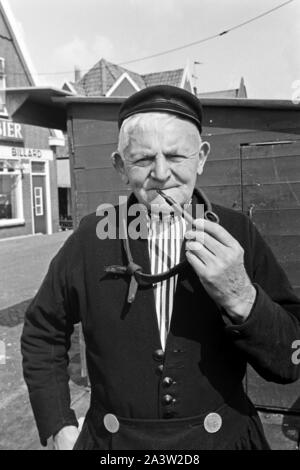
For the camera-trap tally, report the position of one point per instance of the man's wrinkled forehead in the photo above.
(152, 130)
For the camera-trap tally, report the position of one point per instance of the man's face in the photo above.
(164, 154)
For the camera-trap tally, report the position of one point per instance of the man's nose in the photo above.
(161, 168)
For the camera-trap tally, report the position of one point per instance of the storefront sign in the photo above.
(10, 130)
(23, 152)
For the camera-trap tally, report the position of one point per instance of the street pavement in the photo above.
(24, 263)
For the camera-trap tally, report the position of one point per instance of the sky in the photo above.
(61, 34)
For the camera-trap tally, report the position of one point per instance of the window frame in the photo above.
(19, 199)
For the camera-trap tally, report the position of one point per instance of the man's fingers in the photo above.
(200, 251)
(195, 262)
(213, 245)
(215, 230)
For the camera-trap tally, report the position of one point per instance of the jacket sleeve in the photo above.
(270, 333)
(45, 342)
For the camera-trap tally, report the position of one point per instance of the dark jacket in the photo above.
(206, 355)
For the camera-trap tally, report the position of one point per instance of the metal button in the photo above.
(167, 381)
(158, 355)
(168, 399)
(111, 423)
(160, 369)
(212, 422)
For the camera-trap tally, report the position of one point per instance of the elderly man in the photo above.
(171, 319)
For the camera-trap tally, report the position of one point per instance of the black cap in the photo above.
(163, 98)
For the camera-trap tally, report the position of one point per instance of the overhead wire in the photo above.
(184, 46)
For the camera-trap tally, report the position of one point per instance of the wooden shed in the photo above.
(254, 167)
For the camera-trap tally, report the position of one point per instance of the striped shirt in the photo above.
(165, 238)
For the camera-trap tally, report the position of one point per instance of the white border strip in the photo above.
(119, 81)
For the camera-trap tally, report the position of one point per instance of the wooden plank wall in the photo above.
(221, 179)
(238, 175)
(94, 134)
(267, 176)
(271, 181)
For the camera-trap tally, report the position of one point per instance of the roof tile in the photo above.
(167, 77)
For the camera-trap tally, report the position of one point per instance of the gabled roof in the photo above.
(101, 77)
(74, 87)
(18, 43)
(99, 80)
(167, 77)
(123, 81)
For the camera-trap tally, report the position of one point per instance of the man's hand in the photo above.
(65, 439)
(218, 260)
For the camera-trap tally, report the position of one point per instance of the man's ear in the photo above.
(119, 166)
(203, 154)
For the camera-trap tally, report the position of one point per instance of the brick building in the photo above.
(28, 177)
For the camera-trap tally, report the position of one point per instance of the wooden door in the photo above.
(39, 203)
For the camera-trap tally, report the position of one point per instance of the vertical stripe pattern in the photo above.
(165, 238)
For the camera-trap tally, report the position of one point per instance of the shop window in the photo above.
(11, 205)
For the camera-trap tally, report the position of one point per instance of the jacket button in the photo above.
(168, 399)
(111, 423)
(167, 381)
(158, 355)
(160, 369)
(212, 422)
